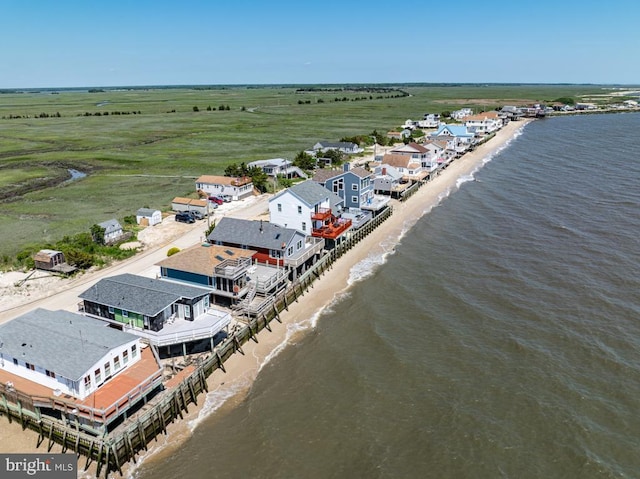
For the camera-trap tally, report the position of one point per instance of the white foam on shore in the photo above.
(359, 272)
(216, 398)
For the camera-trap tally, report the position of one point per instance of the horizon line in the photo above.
(282, 85)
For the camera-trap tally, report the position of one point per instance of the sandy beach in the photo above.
(227, 389)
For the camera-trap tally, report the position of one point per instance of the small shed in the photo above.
(148, 217)
(52, 260)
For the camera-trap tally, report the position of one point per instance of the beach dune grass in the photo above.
(152, 144)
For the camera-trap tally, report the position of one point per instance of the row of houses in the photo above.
(97, 364)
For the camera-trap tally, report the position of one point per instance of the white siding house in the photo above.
(236, 188)
(65, 352)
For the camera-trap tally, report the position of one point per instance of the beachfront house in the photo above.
(278, 167)
(458, 138)
(161, 312)
(61, 363)
(483, 123)
(410, 168)
(310, 208)
(389, 181)
(272, 244)
(148, 217)
(353, 185)
(236, 280)
(236, 188)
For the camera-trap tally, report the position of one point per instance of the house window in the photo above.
(299, 210)
(30, 366)
(187, 312)
(116, 363)
(299, 245)
(279, 207)
(15, 361)
(98, 374)
(304, 226)
(125, 357)
(51, 374)
(290, 250)
(110, 309)
(354, 199)
(134, 351)
(125, 314)
(354, 187)
(87, 383)
(107, 370)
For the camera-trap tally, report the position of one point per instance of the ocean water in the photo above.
(500, 339)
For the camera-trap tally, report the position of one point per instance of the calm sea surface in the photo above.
(500, 340)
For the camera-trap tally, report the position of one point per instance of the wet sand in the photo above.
(227, 389)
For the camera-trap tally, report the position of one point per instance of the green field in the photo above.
(147, 158)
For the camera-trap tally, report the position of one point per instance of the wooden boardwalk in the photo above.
(112, 450)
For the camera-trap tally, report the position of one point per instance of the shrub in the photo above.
(173, 250)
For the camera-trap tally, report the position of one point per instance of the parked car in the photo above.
(216, 199)
(196, 215)
(226, 198)
(185, 218)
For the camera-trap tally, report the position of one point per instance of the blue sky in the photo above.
(62, 43)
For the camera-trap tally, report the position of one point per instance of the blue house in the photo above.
(353, 185)
(458, 138)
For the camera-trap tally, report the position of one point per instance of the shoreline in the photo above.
(230, 388)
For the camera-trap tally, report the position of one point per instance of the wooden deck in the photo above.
(114, 396)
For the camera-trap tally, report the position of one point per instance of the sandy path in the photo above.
(227, 389)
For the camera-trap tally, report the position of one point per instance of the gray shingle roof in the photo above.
(110, 226)
(339, 144)
(145, 212)
(312, 193)
(138, 294)
(66, 343)
(248, 232)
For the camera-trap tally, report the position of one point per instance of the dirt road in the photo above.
(56, 294)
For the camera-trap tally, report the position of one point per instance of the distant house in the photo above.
(399, 135)
(161, 312)
(345, 147)
(458, 138)
(113, 231)
(68, 361)
(353, 185)
(148, 217)
(52, 260)
(310, 208)
(511, 113)
(278, 167)
(203, 207)
(461, 114)
(235, 187)
(272, 244)
(430, 120)
(483, 123)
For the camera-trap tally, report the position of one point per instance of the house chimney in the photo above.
(384, 171)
